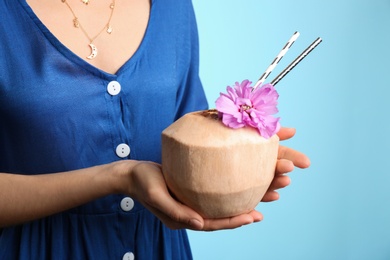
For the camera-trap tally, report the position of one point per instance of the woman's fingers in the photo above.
(283, 166)
(232, 222)
(286, 133)
(297, 158)
(176, 216)
(280, 180)
(270, 196)
(150, 189)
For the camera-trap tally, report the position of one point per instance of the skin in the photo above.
(24, 198)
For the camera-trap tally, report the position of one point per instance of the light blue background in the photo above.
(337, 98)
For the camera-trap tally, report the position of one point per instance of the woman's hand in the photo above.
(149, 188)
(287, 159)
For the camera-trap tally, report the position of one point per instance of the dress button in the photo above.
(122, 150)
(114, 88)
(128, 256)
(127, 204)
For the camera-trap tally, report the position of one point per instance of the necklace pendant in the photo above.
(94, 51)
(76, 23)
(109, 29)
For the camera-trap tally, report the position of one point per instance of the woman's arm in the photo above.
(28, 197)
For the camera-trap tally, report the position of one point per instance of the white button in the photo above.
(113, 88)
(128, 256)
(127, 204)
(123, 150)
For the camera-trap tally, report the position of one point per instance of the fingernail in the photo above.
(258, 218)
(196, 224)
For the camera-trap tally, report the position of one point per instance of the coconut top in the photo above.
(205, 127)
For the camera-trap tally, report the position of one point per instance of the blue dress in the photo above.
(59, 113)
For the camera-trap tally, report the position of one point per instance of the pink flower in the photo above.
(243, 107)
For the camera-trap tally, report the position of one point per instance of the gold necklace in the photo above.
(77, 24)
(86, 2)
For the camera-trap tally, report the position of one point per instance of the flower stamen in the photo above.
(245, 107)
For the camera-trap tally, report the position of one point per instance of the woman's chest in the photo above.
(104, 33)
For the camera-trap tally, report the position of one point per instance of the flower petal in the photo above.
(265, 99)
(226, 105)
(231, 121)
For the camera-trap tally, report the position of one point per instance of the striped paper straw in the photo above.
(296, 61)
(275, 62)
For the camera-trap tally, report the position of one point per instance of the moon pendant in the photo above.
(94, 52)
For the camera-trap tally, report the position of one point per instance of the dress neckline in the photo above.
(77, 60)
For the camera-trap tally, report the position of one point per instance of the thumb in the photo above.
(175, 214)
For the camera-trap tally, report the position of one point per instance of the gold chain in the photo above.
(107, 27)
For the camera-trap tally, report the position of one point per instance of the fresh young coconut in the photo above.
(217, 171)
(221, 162)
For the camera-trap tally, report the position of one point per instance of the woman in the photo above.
(86, 87)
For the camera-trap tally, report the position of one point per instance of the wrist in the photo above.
(121, 173)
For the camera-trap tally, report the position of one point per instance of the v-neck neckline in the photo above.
(76, 59)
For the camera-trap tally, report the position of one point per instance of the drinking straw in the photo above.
(296, 61)
(275, 62)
